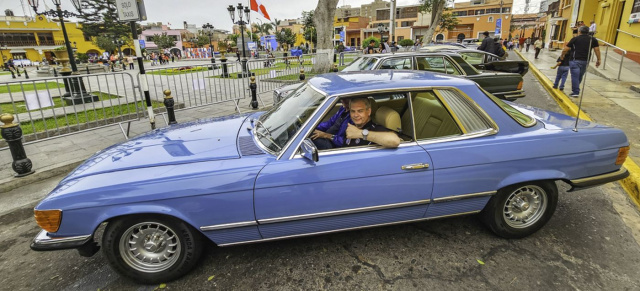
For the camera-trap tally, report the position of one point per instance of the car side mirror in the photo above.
(309, 150)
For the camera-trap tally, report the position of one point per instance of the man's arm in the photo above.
(387, 139)
(597, 50)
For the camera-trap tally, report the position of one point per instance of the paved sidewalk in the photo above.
(60, 155)
(608, 102)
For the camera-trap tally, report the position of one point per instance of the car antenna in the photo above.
(584, 82)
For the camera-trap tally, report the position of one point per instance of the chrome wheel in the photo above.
(150, 247)
(525, 206)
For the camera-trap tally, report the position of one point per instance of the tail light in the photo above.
(520, 85)
(623, 152)
(48, 220)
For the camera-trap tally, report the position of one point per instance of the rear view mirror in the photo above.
(309, 150)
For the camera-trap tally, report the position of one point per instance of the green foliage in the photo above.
(105, 43)
(310, 33)
(202, 39)
(82, 57)
(447, 21)
(289, 38)
(406, 42)
(429, 5)
(366, 41)
(164, 41)
(100, 18)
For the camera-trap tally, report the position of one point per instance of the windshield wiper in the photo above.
(269, 137)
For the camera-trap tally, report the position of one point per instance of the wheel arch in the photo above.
(534, 175)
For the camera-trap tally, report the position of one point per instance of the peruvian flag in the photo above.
(258, 7)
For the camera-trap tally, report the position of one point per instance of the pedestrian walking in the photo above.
(371, 47)
(578, 51)
(537, 46)
(592, 28)
(561, 75)
(527, 43)
(340, 50)
(130, 59)
(521, 41)
(487, 44)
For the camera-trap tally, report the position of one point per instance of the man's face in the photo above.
(360, 114)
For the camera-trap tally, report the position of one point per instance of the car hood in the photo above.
(202, 140)
(553, 120)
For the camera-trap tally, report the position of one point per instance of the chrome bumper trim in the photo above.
(42, 242)
(592, 181)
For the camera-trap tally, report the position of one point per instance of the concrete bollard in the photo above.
(301, 74)
(335, 68)
(87, 67)
(253, 87)
(26, 76)
(12, 133)
(168, 104)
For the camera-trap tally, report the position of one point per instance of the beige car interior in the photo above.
(432, 119)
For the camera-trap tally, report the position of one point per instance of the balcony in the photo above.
(21, 43)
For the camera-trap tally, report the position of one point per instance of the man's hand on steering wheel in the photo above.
(320, 134)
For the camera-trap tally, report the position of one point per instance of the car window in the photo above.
(386, 110)
(523, 119)
(430, 116)
(361, 64)
(473, 58)
(466, 67)
(467, 113)
(436, 64)
(275, 128)
(397, 64)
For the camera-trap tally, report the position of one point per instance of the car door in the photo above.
(346, 188)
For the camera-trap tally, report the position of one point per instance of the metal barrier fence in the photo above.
(272, 73)
(52, 107)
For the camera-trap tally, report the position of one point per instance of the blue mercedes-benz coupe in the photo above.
(257, 177)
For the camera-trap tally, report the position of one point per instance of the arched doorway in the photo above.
(176, 52)
(93, 53)
(461, 36)
(440, 37)
(128, 52)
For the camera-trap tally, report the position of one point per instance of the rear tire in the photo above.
(520, 210)
(151, 249)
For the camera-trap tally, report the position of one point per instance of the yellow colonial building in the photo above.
(476, 17)
(24, 37)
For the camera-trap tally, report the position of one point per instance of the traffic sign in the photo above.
(128, 10)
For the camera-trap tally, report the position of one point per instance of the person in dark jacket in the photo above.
(487, 44)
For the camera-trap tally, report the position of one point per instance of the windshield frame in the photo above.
(373, 66)
(302, 128)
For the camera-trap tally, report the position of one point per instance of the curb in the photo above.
(12, 183)
(631, 184)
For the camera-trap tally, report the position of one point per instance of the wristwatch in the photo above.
(365, 132)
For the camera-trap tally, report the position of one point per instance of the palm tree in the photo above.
(266, 28)
(275, 23)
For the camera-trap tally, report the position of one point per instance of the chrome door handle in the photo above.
(415, 166)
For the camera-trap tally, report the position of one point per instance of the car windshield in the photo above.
(276, 127)
(361, 64)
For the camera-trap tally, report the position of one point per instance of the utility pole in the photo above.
(392, 25)
(501, 26)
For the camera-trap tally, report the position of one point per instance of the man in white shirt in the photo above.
(592, 28)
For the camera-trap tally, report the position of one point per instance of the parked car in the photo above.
(258, 177)
(482, 60)
(501, 84)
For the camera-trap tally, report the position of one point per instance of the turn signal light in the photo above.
(48, 220)
(623, 152)
(520, 85)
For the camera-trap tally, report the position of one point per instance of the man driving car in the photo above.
(363, 131)
(331, 134)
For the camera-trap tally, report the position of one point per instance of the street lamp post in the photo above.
(76, 92)
(241, 23)
(382, 29)
(209, 29)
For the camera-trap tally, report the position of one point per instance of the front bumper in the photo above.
(588, 182)
(42, 242)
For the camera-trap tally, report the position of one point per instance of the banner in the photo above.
(634, 17)
(498, 26)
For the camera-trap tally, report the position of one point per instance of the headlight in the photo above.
(48, 220)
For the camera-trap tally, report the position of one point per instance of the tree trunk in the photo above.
(323, 20)
(436, 13)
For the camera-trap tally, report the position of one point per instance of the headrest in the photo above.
(388, 118)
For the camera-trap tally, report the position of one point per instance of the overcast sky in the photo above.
(215, 11)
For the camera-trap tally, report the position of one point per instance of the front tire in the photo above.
(520, 210)
(151, 249)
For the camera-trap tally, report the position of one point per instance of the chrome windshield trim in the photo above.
(228, 225)
(44, 239)
(289, 144)
(347, 229)
(463, 196)
(342, 212)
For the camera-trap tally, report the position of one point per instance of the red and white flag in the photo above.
(258, 7)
